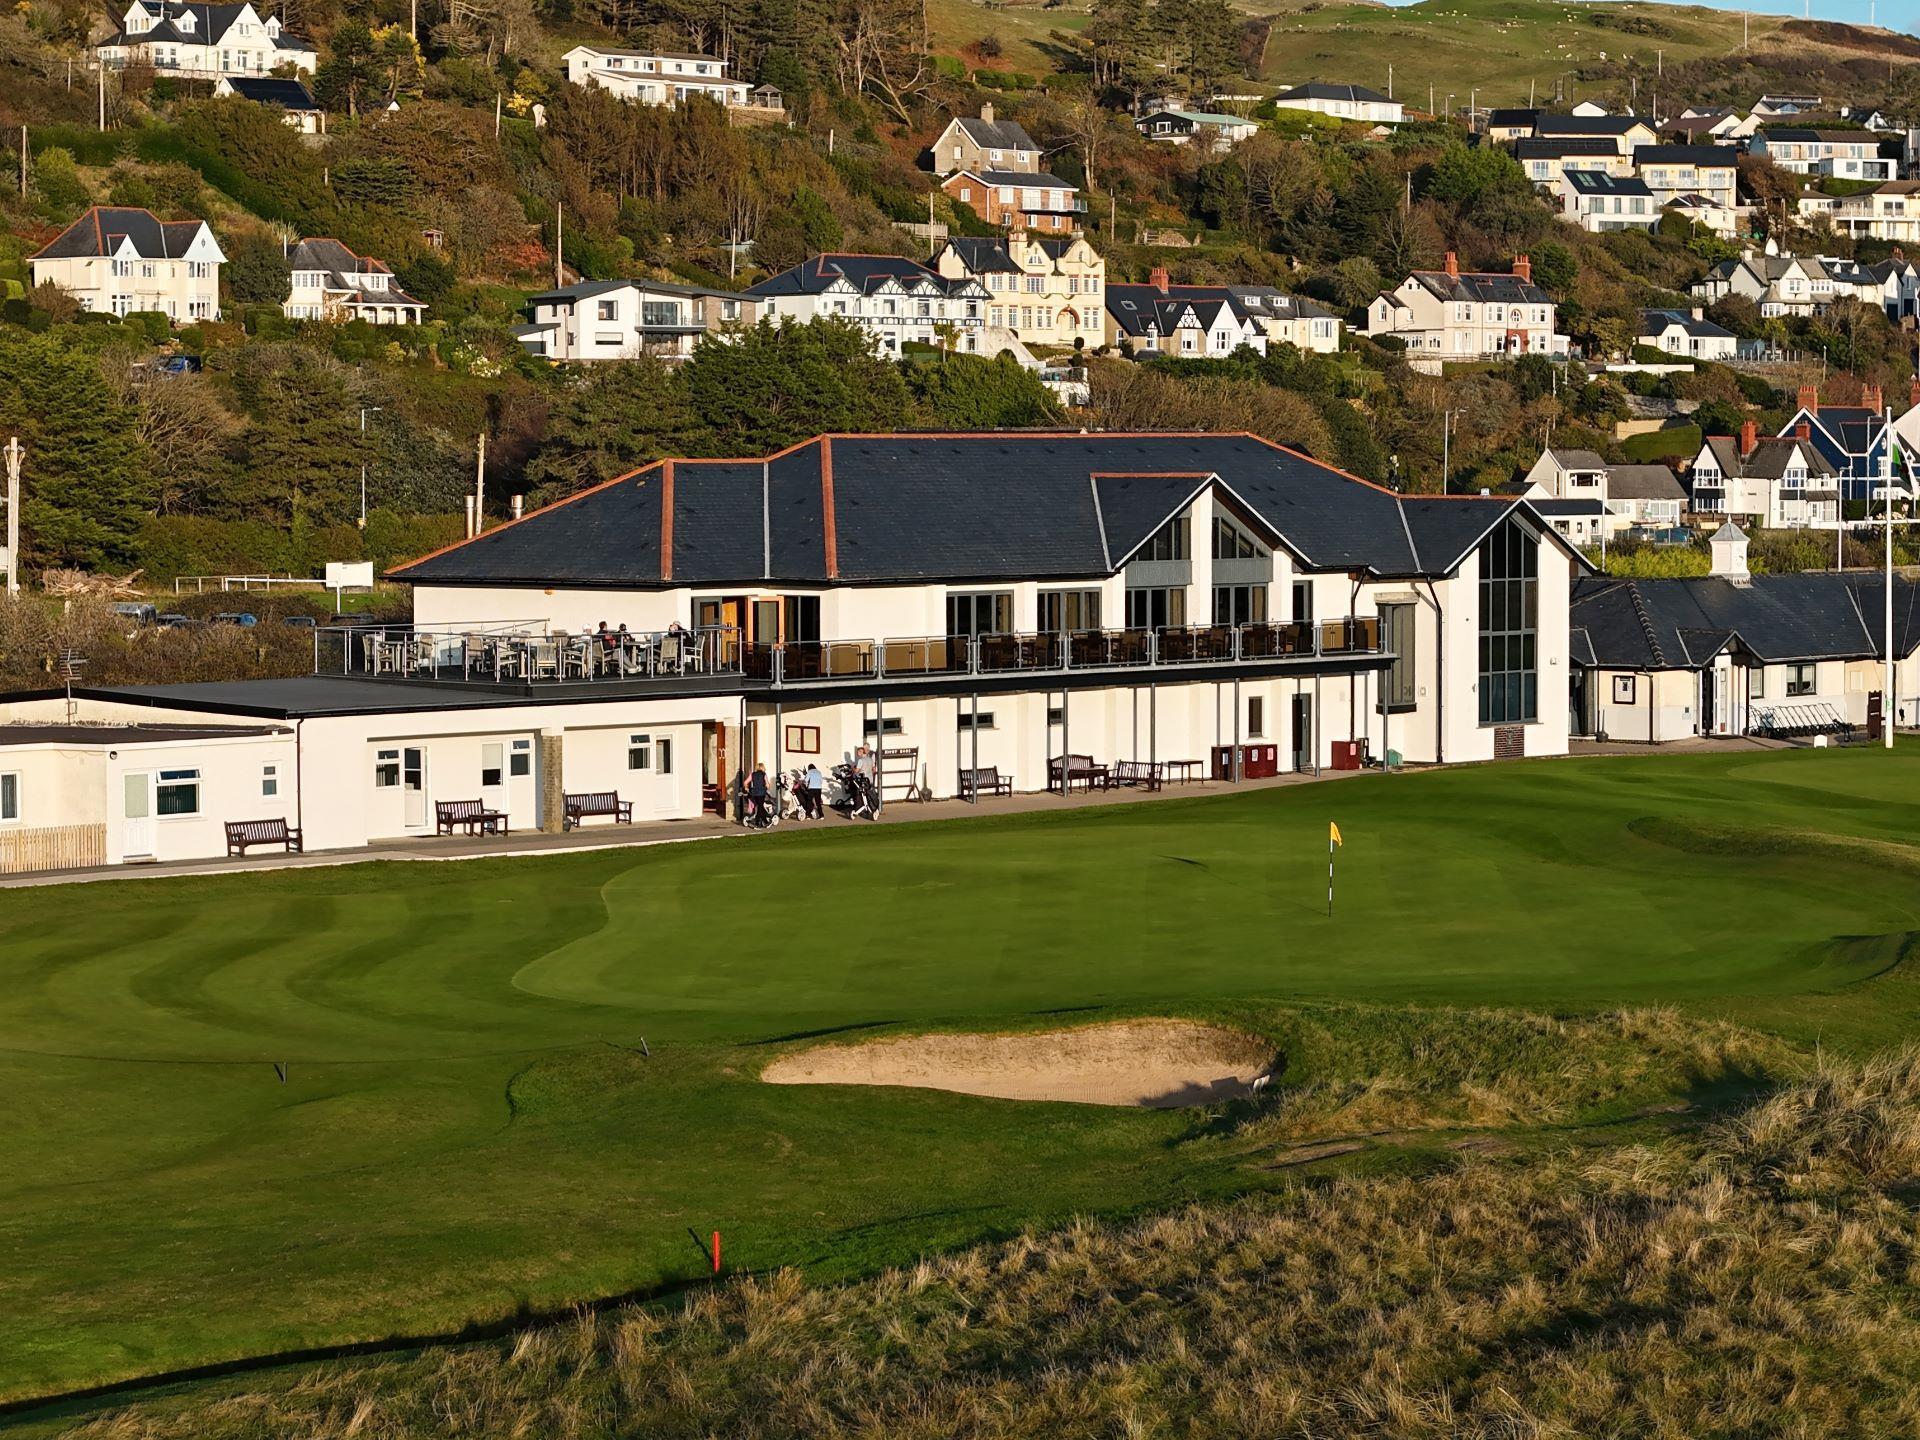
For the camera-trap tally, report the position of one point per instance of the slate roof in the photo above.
(267, 90)
(1643, 482)
(1201, 117)
(210, 25)
(1554, 147)
(988, 254)
(1577, 459)
(1841, 433)
(1683, 623)
(1599, 182)
(1768, 460)
(1658, 322)
(1031, 179)
(1801, 134)
(931, 508)
(338, 265)
(1135, 308)
(866, 273)
(1320, 90)
(99, 230)
(1482, 285)
(588, 289)
(1720, 156)
(1511, 118)
(1586, 124)
(995, 134)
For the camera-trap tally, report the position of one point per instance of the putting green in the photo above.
(468, 1127)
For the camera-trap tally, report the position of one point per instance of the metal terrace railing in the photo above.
(524, 657)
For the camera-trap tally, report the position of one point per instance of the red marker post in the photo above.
(716, 1252)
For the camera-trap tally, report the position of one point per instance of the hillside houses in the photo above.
(117, 260)
(1686, 334)
(1450, 314)
(1045, 289)
(330, 282)
(983, 143)
(1773, 482)
(1214, 320)
(601, 320)
(1851, 440)
(1342, 102)
(1598, 202)
(896, 301)
(1208, 130)
(182, 37)
(1641, 500)
(1837, 154)
(1018, 199)
(654, 77)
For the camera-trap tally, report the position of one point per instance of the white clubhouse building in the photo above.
(1207, 604)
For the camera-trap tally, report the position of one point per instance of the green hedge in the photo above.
(173, 545)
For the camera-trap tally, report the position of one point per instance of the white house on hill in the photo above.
(896, 301)
(330, 282)
(1342, 102)
(120, 261)
(1452, 314)
(178, 37)
(651, 77)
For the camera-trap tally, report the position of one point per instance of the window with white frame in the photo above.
(1800, 679)
(178, 793)
(492, 764)
(269, 780)
(386, 769)
(9, 796)
(520, 762)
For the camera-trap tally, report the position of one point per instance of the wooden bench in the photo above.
(243, 833)
(1137, 772)
(1063, 772)
(598, 802)
(469, 815)
(987, 780)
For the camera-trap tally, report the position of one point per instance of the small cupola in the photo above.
(1728, 545)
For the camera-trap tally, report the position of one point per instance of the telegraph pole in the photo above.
(480, 487)
(14, 452)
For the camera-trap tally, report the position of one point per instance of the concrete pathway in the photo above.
(603, 836)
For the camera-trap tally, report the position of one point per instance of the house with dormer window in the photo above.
(330, 282)
(178, 37)
(116, 260)
(1773, 482)
(1046, 289)
(895, 300)
(1160, 317)
(654, 77)
(1452, 314)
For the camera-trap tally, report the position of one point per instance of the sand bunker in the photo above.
(1155, 1063)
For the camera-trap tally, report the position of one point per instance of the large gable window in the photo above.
(1169, 542)
(1509, 620)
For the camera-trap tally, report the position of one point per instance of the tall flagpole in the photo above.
(1888, 707)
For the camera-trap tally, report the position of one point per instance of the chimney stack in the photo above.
(1159, 279)
(1749, 437)
(1453, 265)
(1913, 392)
(986, 114)
(1873, 398)
(1523, 267)
(1810, 399)
(1803, 431)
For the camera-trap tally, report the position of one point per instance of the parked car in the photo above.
(236, 617)
(138, 611)
(299, 622)
(173, 620)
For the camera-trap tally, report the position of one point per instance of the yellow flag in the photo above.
(1333, 834)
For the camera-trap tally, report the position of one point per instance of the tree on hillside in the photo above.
(1119, 35)
(609, 420)
(86, 488)
(257, 271)
(774, 385)
(1462, 175)
(969, 392)
(1210, 45)
(298, 457)
(352, 70)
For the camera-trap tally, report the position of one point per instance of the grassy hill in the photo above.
(1499, 46)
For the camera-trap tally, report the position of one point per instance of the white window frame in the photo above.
(185, 778)
(10, 804)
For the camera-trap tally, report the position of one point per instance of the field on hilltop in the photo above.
(1500, 47)
(510, 1086)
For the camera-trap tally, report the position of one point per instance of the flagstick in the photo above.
(1329, 876)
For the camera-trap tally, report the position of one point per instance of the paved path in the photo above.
(601, 836)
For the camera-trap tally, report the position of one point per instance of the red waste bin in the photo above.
(1346, 754)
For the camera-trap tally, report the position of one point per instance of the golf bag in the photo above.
(764, 814)
(858, 798)
(790, 785)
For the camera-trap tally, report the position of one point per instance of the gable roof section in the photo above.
(1587, 124)
(994, 134)
(927, 508)
(100, 231)
(1599, 182)
(1321, 90)
(1643, 482)
(1683, 623)
(268, 90)
(866, 273)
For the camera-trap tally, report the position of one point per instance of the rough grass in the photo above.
(1354, 1069)
(1756, 1279)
